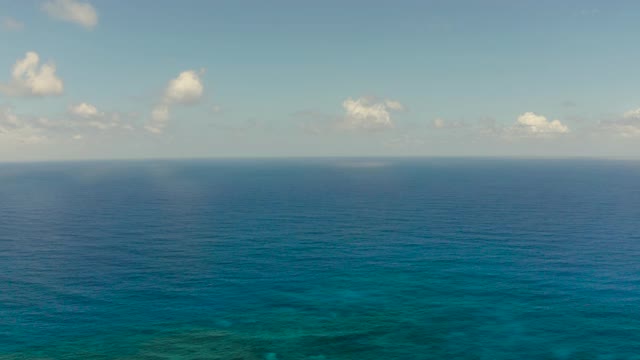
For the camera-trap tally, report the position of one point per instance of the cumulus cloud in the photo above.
(186, 89)
(77, 12)
(11, 24)
(367, 113)
(30, 78)
(534, 124)
(527, 125)
(84, 110)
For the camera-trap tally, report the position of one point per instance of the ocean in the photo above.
(320, 259)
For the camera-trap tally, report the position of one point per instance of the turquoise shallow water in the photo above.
(320, 259)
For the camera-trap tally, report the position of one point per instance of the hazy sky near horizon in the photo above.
(139, 79)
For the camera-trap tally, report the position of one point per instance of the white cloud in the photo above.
(632, 114)
(627, 130)
(84, 110)
(628, 126)
(186, 89)
(15, 129)
(527, 125)
(11, 24)
(29, 78)
(81, 120)
(367, 114)
(106, 124)
(8, 120)
(534, 124)
(78, 12)
(160, 113)
(159, 119)
(394, 105)
(88, 115)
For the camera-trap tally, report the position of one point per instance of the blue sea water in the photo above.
(320, 259)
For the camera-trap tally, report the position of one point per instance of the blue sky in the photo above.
(164, 79)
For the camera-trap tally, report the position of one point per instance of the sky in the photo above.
(116, 79)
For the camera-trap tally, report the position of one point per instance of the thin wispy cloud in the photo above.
(80, 121)
(11, 24)
(626, 126)
(440, 123)
(16, 129)
(85, 115)
(78, 12)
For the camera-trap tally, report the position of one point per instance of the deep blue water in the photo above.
(320, 259)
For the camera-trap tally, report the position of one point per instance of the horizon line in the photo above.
(328, 157)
